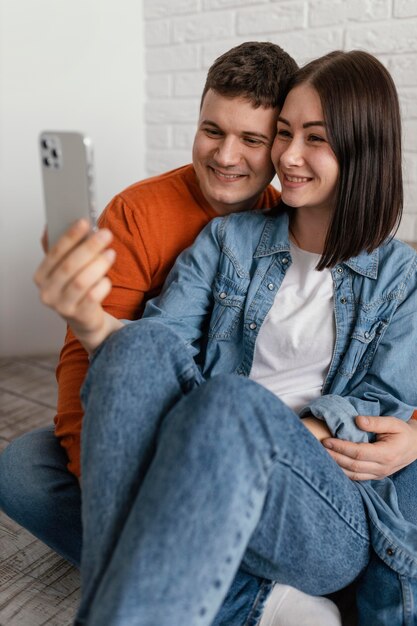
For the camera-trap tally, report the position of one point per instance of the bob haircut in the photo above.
(256, 70)
(362, 117)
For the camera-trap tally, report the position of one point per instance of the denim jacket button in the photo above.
(271, 286)
(343, 300)
(390, 552)
(223, 295)
(252, 326)
(366, 335)
(340, 270)
(285, 260)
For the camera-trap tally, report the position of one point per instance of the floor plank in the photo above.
(37, 587)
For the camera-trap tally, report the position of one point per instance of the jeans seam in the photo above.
(323, 497)
(407, 599)
(255, 613)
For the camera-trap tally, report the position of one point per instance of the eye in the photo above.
(253, 141)
(212, 132)
(316, 139)
(283, 133)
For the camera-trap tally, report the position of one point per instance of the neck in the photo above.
(308, 229)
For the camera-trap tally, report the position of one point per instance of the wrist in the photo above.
(92, 339)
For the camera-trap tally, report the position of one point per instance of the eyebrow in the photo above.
(306, 125)
(252, 133)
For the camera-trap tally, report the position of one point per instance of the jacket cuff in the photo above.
(339, 415)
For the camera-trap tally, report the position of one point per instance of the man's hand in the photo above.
(72, 281)
(395, 447)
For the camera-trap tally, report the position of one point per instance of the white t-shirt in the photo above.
(294, 346)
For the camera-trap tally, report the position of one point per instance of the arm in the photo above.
(395, 448)
(317, 427)
(387, 386)
(131, 279)
(186, 299)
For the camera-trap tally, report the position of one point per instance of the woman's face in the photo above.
(304, 161)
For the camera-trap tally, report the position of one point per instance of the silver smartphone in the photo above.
(68, 180)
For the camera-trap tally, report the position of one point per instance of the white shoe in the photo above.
(286, 606)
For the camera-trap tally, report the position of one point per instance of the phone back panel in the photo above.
(67, 172)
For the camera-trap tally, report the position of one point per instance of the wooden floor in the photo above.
(36, 586)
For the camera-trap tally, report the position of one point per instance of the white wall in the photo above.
(79, 65)
(183, 37)
(74, 65)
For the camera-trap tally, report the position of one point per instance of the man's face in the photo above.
(232, 152)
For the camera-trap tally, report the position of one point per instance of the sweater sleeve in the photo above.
(132, 285)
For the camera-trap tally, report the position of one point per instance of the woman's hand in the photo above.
(395, 447)
(317, 427)
(72, 281)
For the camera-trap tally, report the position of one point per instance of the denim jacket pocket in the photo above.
(364, 342)
(229, 301)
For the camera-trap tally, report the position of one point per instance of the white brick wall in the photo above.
(183, 37)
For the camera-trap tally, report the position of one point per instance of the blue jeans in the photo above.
(185, 481)
(38, 492)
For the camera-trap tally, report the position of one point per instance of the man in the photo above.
(152, 222)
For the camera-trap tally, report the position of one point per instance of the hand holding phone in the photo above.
(72, 279)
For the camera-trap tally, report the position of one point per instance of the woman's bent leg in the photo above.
(40, 494)
(223, 473)
(134, 380)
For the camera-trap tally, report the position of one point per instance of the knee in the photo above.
(224, 410)
(230, 412)
(23, 471)
(145, 341)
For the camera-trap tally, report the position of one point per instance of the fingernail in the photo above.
(365, 420)
(103, 235)
(328, 444)
(110, 254)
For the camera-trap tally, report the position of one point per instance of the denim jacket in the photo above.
(219, 293)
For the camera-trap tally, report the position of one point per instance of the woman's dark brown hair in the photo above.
(362, 117)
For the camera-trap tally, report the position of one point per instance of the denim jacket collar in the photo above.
(275, 239)
(365, 264)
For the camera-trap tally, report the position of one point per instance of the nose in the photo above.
(228, 152)
(291, 154)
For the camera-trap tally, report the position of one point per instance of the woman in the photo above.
(198, 480)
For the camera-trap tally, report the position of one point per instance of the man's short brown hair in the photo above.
(255, 70)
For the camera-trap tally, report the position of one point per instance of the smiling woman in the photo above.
(306, 166)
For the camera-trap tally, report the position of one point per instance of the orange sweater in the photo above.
(152, 222)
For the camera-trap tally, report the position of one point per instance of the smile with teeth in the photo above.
(227, 176)
(296, 179)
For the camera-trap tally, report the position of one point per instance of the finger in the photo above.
(62, 247)
(100, 291)
(356, 451)
(360, 477)
(68, 272)
(44, 241)
(84, 286)
(357, 467)
(380, 424)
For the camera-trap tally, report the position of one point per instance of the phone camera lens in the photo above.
(46, 162)
(45, 144)
(54, 153)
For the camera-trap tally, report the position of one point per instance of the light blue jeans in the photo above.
(185, 481)
(301, 525)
